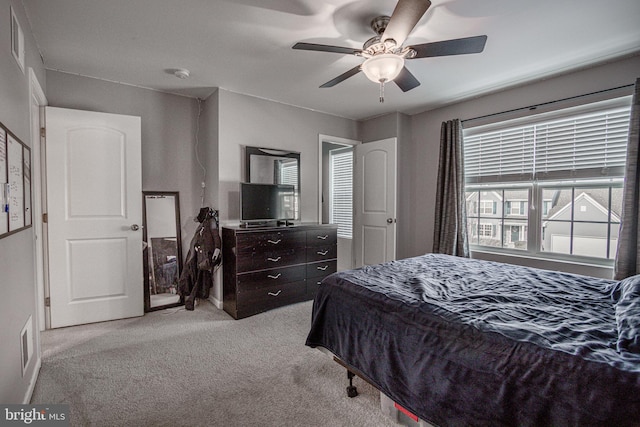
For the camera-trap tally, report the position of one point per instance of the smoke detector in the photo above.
(181, 73)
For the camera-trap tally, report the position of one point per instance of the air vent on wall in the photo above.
(17, 40)
(26, 344)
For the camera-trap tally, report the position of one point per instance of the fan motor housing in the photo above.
(379, 24)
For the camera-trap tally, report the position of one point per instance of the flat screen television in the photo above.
(266, 203)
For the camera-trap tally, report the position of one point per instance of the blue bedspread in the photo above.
(469, 342)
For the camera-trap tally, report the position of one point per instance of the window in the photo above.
(487, 207)
(287, 172)
(549, 184)
(516, 207)
(497, 227)
(485, 230)
(584, 221)
(341, 190)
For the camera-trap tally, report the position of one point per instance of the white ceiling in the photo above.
(245, 46)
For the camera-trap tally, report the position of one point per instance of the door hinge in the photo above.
(45, 218)
(47, 302)
(43, 132)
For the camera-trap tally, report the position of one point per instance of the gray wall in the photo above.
(421, 158)
(246, 120)
(17, 279)
(208, 147)
(168, 134)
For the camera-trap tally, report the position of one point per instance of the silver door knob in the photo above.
(135, 227)
(389, 220)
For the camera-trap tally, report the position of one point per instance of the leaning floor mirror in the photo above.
(162, 249)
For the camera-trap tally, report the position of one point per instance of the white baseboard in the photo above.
(215, 302)
(32, 381)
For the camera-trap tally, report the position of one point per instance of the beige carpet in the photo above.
(200, 368)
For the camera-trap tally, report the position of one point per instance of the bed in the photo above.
(459, 341)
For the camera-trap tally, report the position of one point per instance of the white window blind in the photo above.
(577, 145)
(341, 208)
(288, 173)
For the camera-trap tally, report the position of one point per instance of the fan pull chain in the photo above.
(382, 90)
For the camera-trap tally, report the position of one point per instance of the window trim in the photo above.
(580, 178)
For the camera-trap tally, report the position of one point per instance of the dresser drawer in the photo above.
(321, 253)
(322, 237)
(321, 269)
(269, 267)
(269, 241)
(271, 277)
(314, 282)
(273, 259)
(262, 299)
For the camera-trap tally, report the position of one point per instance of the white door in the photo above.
(374, 201)
(94, 207)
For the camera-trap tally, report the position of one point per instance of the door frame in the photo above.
(332, 140)
(358, 188)
(39, 204)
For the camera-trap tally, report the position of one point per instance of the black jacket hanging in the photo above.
(196, 279)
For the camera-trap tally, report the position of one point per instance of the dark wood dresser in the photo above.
(268, 267)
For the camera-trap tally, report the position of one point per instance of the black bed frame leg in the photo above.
(352, 391)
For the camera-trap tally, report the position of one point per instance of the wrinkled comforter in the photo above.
(468, 342)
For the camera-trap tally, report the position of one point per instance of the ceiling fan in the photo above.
(385, 54)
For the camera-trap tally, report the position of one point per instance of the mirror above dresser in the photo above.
(273, 166)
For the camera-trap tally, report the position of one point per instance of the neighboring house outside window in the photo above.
(508, 230)
(548, 184)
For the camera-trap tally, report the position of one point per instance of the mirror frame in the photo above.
(273, 152)
(145, 256)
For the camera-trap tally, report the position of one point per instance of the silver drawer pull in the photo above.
(319, 282)
(323, 253)
(274, 259)
(275, 294)
(271, 276)
(325, 237)
(274, 242)
(323, 268)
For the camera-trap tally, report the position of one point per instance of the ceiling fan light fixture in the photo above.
(383, 67)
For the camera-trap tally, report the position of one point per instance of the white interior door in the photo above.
(94, 206)
(374, 194)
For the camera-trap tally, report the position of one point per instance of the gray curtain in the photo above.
(450, 231)
(628, 256)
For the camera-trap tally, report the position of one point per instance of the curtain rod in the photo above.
(534, 106)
